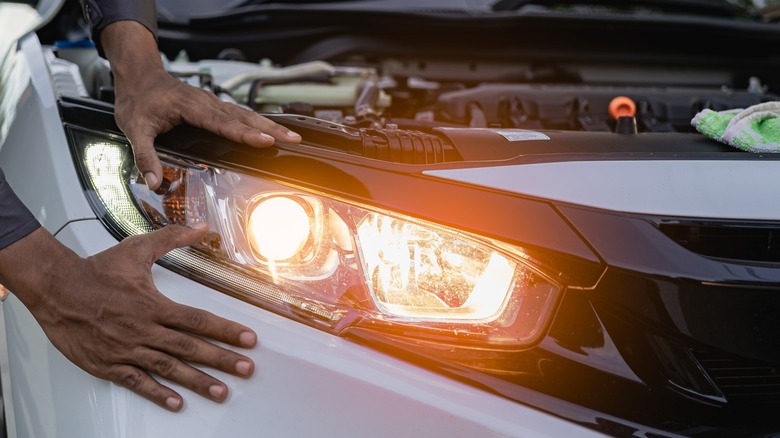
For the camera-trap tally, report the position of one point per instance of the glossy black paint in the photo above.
(674, 318)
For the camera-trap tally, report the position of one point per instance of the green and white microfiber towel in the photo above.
(755, 129)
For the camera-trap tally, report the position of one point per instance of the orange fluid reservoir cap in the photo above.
(622, 106)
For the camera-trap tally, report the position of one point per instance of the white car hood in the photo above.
(743, 189)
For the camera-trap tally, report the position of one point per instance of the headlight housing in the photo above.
(323, 260)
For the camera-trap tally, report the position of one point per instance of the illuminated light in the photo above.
(105, 162)
(484, 302)
(421, 273)
(329, 262)
(278, 228)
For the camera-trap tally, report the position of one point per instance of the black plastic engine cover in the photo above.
(580, 107)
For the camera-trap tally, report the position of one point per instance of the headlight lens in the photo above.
(322, 260)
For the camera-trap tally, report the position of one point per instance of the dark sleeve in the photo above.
(101, 13)
(16, 221)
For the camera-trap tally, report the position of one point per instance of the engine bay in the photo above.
(358, 78)
(376, 97)
(387, 95)
(393, 111)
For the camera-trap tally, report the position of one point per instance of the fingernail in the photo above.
(217, 392)
(247, 339)
(267, 137)
(293, 135)
(151, 180)
(243, 367)
(173, 403)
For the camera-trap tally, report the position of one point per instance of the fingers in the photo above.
(207, 324)
(145, 155)
(237, 124)
(193, 349)
(144, 385)
(258, 122)
(170, 368)
(168, 352)
(168, 355)
(162, 241)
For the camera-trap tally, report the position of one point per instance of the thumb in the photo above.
(174, 236)
(146, 158)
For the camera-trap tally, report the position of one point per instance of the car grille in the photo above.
(735, 241)
(742, 379)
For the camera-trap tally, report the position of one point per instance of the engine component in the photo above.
(581, 107)
(402, 146)
(390, 144)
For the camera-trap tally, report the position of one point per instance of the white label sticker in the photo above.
(509, 134)
(520, 135)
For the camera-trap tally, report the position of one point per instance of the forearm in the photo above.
(30, 266)
(132, 50)
(102, 13)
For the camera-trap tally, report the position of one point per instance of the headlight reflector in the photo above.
(425, 274)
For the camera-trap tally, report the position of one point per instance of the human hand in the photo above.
(149, 101)
(105, 314)
(159, 102)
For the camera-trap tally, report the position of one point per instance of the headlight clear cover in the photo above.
(322, 260)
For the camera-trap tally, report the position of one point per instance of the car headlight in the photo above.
(329, 262)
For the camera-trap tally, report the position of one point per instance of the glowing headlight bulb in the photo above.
(278, 227)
